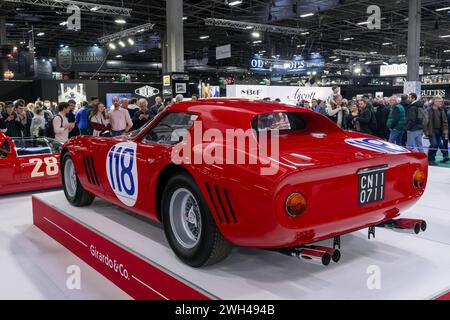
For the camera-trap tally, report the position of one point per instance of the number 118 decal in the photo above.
(121, 166)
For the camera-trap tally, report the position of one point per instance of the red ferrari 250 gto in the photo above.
(28, 164)
(327, 182)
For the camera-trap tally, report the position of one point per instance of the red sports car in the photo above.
(28, 164)
(195, 169)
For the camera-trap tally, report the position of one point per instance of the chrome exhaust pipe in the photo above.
(313, 256)
(413, 226)
(334, 253)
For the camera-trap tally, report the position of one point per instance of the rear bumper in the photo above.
(332, 204)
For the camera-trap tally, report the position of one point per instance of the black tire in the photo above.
(82, 198)
(212, 247)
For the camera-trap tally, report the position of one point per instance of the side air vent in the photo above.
(89, 168)
(222, 206)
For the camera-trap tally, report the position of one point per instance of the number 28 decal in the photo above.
(121, 166)
(51, 167)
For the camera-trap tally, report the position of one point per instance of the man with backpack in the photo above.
(59, 128)
(416, 121)
(437, 130)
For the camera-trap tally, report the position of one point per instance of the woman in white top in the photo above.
(99, 119)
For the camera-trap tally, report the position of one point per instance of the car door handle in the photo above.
(150, 161)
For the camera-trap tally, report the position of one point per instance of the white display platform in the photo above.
(407, 266)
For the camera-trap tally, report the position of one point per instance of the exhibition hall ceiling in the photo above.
(335, 24)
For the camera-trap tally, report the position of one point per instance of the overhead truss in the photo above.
(250, 26)
(84, 6)
(376, 56)
(127, 33)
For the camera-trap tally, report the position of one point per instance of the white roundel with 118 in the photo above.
(377, 145)
(121, 166)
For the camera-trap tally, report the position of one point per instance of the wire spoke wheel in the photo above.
(185, 218)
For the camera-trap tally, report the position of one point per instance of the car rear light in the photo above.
(419, 179)
(295, 204)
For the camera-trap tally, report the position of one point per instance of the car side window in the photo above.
(4, 150)
(171, 129)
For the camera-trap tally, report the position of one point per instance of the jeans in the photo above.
(436, 142)
(415, 140)
(396, 136)
(117, 133)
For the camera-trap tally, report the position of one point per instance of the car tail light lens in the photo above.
(419, 179)
(295, 204)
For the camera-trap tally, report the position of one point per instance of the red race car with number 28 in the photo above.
(205, 171)
(28, 164)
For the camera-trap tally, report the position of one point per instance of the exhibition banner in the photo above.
(396, 70)
(287, 94)
(80, 58)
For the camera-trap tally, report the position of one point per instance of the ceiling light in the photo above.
(301, 45)
(41, 34)
(249, 27)
(445, 36)
(357, 70)
(64, 23)
(306, 15)
(131, 41)
(362, 23)
(120, 21)
(304, 33)
(373, 52)
(432, 66)
(61, 46)
(51, 60)
(234, 3)
(257, 41)
(336, 60)
(446, 50)
(443, 9)
(119, 56)
(368, 62)
(93, 9)
(386, 43)
(332, 57)
(348, 39)
(122, 44)
(401, 55)
(256, 34)
(204, 37)
(112, 46)
(141, 51)
(185, 18)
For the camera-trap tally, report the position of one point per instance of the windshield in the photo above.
(135, 133)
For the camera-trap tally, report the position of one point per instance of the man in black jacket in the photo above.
(158, 104)
(12, 124)
(143, 115)
(364, 118)
(414, 124)
(381, 113)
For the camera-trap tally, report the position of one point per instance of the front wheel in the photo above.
(189, 226)
(73, 190)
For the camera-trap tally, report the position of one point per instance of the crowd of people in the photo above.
(68, 119)
(404, 120)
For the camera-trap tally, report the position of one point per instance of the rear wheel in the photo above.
(189, 226)
(73, 189)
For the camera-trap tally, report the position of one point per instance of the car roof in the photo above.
(252, 107)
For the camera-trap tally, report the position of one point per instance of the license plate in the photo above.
(372, 183)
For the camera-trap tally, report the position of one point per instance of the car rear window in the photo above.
(282, 121)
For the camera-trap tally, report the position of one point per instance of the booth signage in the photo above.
(396, 70)
(298, 65)
(80, 58)
(223, 52)
(287, 94)
(147, 91)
